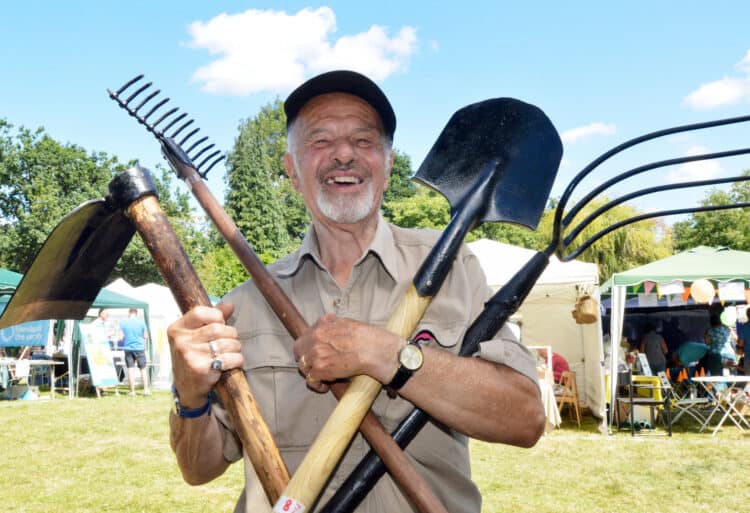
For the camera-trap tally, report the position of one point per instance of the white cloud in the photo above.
(727, 91)
(266, 50)
(576, 134)
(698, 170)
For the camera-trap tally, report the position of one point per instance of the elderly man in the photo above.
(346, 279)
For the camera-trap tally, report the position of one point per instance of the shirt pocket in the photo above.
(294, 414)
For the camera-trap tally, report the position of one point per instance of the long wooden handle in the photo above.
(157, 233)
(413, 485)
(323, 456)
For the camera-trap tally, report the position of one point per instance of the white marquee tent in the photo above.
(163, 310)
(546, 313)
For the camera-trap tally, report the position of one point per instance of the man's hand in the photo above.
(336, 348)
(196, 340)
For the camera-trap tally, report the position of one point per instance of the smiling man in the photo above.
(346, 279)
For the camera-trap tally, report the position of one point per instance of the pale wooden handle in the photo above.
(326, 451)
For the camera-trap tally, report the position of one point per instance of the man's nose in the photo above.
(343, 151)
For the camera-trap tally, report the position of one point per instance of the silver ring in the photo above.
(216, 364)
(302, 362)
(213, 348)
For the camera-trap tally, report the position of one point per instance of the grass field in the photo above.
(112, 455)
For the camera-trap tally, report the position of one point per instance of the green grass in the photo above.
(112, 455)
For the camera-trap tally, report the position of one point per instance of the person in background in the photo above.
(559, 363)
(718, 338)
(134, 337)
(655, 348)
(743, 337)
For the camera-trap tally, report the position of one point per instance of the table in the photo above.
(6, 363)
(730, 410)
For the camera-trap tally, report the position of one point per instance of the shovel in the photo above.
(76, 259)
(494, 161)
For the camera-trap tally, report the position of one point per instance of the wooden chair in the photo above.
(567, 393)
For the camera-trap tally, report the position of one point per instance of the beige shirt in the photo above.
(380, 278)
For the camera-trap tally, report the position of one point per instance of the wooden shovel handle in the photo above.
(402, 471)
(152, 224)
(323, 456)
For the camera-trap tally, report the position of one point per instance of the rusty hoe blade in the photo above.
(172, 119)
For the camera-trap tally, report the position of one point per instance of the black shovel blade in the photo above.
(71, 267)
(516, 135)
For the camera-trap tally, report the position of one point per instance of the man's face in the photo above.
(339, 162)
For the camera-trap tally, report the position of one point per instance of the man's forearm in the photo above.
(197, 444)
(479, 398)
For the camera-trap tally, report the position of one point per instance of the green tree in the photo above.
(41, 181)
(730, 228)
(260, 196)
(400, 184)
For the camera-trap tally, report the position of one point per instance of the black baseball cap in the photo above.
(342, 81)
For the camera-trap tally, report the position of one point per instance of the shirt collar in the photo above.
(382, 246)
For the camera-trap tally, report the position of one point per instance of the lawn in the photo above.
(112, 455)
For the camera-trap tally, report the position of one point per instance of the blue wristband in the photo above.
(190, 413)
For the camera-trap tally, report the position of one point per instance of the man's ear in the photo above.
(289, 166)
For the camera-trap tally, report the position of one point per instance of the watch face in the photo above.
(411, 357)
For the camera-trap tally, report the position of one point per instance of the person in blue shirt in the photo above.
(134, 336)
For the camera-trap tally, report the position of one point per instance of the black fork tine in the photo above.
(204, 173)
(203, 150)
(183, 127)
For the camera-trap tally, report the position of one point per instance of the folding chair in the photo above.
(19, 374)
(686, 402)
(567, 393)
(655, 397)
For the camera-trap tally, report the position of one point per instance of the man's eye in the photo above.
(364, 142)
(321, 143)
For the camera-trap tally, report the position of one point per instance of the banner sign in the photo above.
(99, 356)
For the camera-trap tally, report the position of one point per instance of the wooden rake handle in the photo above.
(401, 469)
(152, 224)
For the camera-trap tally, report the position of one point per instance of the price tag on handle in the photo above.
(288, 505)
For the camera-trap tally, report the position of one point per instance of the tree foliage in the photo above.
(730, 228)
(42, 180)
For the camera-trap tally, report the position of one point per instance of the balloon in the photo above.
(729, 317)
(702, 291)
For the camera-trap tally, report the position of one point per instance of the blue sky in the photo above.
(602, 72)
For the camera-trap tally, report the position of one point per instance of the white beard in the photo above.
(347, 210)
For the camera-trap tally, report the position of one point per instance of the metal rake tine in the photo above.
(662, 213)
(154, 109)
(203, 150)
(172, 123)
(183, 127)
(188, 136)
(195, 144)
(146, 100)
(164, 116)
(644, 192)
(640, 169)
(126, 85)
(204, 173)
(137, 92)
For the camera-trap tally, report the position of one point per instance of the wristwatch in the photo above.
(410, 359)
(190, 413)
